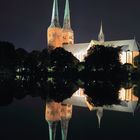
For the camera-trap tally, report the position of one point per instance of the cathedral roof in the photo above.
(76, 48)
(130, 45)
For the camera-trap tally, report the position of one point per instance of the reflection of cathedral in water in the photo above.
(58, 112)
(64, 37)
(128, 102)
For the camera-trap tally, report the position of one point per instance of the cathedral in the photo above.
(58, 36)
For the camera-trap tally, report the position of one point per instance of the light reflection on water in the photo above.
(62, 112)
(77, 115)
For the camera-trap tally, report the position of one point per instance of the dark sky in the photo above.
(25, 22)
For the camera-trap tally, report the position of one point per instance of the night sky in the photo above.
(25, 22)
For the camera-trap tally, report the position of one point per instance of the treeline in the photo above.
(100, 61)
(19, 62)
(58, 74)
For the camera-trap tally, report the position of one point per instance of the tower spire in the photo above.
(68, 34)
(66, 22)
(55, 15)
(101, 37)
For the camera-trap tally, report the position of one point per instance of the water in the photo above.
(25, 119)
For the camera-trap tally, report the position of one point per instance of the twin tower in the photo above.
(56, 35)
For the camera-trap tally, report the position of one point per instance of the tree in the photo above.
(21, 56)
(127, 67)
(62, 60)
(33, 62)
(137, 62)
(44, 59)
(101, 58)
(7, 60)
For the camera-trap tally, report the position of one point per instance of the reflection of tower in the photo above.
(101, 37)
(66, 114)
(52, 129)
(68, 35)
(52, 115)
(99, 114)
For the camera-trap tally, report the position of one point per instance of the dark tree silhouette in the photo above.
(103, 92)
(101, 58)
(137, 62)
(7, 60)
(44, 61)
(21, 56)
(62, 61)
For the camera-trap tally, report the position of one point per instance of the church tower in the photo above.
(68, 34)
(54, 34)
(101, 37)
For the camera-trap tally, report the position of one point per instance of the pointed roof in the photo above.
(66, 22)
(55, 15)
(101, 29)
(101, 34)
(99, 114)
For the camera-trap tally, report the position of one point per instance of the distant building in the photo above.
(64, 37)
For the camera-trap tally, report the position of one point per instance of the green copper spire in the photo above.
(101, 34)
(66, 22)
(55, 15)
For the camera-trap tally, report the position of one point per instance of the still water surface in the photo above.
(25, 119)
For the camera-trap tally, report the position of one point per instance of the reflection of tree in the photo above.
(6, 92)
(103, 92)
(56, 89)
(137, 89)
(61, 89)
(23, 73)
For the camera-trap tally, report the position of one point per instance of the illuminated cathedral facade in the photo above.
(58, 36)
